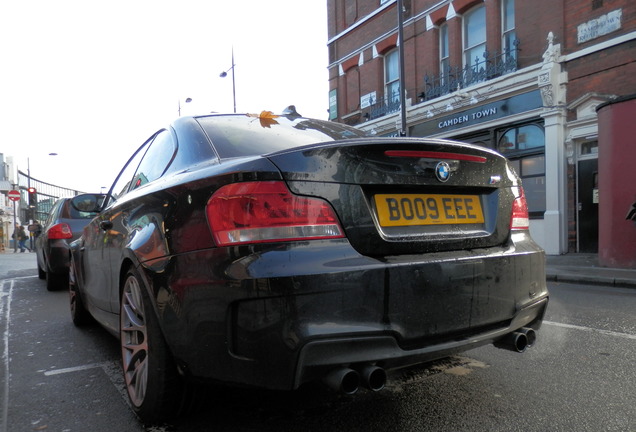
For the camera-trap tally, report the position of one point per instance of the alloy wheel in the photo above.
(134, 341)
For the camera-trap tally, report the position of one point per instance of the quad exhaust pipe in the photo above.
(518, 341)
(373, 377)
(343, 380)
(346, 380)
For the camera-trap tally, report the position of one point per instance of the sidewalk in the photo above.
(17, 264)
(584, 268)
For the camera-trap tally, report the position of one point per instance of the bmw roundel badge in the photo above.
(442, 171)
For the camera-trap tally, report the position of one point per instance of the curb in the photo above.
(592, 280)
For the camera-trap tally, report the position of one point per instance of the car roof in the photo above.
(237, 135)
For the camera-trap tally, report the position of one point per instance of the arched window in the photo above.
(522, 138)
(524, 146)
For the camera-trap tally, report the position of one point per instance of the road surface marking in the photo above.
(74, 369)
(5, 317)
(17, 278)
(591, 329)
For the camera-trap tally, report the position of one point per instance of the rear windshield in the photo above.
(70, 212)
(242, 135)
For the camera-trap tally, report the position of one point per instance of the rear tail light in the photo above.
(520, 219)
(60, 231)
(257, 212)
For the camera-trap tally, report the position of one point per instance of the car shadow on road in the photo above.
(313, 407)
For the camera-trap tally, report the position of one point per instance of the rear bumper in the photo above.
(280, 317)
(57, 256)
(318, 357)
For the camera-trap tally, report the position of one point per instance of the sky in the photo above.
(91, 81)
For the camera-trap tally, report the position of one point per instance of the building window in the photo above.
(444, 63)
(392, 77)
(589, 148)
(524, 146)
(509, 35)
(475, 36)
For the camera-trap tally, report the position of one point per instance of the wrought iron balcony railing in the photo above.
(450, 80)
(382, 107)
(455, 78)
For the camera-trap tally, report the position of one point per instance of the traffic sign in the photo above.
(14, 195)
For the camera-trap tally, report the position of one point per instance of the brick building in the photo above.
(520, 76)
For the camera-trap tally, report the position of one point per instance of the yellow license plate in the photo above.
(428, 209)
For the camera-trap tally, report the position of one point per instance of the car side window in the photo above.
(156, 159)
(124, 179)
(53, 213)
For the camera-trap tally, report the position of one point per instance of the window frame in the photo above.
(468, 49)
(508, 33)
(389, 95)
(157, 140)
(444, 52)
(132, 164)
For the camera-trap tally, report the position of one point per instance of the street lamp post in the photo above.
(224, 74)
(187, 100)
(400, 7)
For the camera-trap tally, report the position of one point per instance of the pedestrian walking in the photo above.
(22, 238)
(14, 236)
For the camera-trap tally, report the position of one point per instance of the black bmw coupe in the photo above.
(274, 250)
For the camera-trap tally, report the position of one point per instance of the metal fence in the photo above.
(46, 194)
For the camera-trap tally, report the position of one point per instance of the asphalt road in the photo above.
(580, 376)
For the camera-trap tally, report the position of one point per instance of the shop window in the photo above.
(392, 76)
(475, 36)
(523, 138)
(524, 146)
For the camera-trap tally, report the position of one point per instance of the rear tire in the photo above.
(79, 314)
(41, 273)
(55, 282)
(155, 389)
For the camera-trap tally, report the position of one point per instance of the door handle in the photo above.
(106, 225)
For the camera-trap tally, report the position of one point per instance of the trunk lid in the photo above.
(407, 196)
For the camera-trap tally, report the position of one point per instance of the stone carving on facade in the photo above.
(551, 80)
(546, 96)
(569, 149)
(553, 52)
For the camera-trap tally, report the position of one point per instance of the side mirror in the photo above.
(90, 203)
(631, 214)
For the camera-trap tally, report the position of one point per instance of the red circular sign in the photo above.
(14, 195)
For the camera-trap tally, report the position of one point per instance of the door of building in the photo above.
(588, 205)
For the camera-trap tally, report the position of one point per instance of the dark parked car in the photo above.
(63, 225)
(273, 251)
